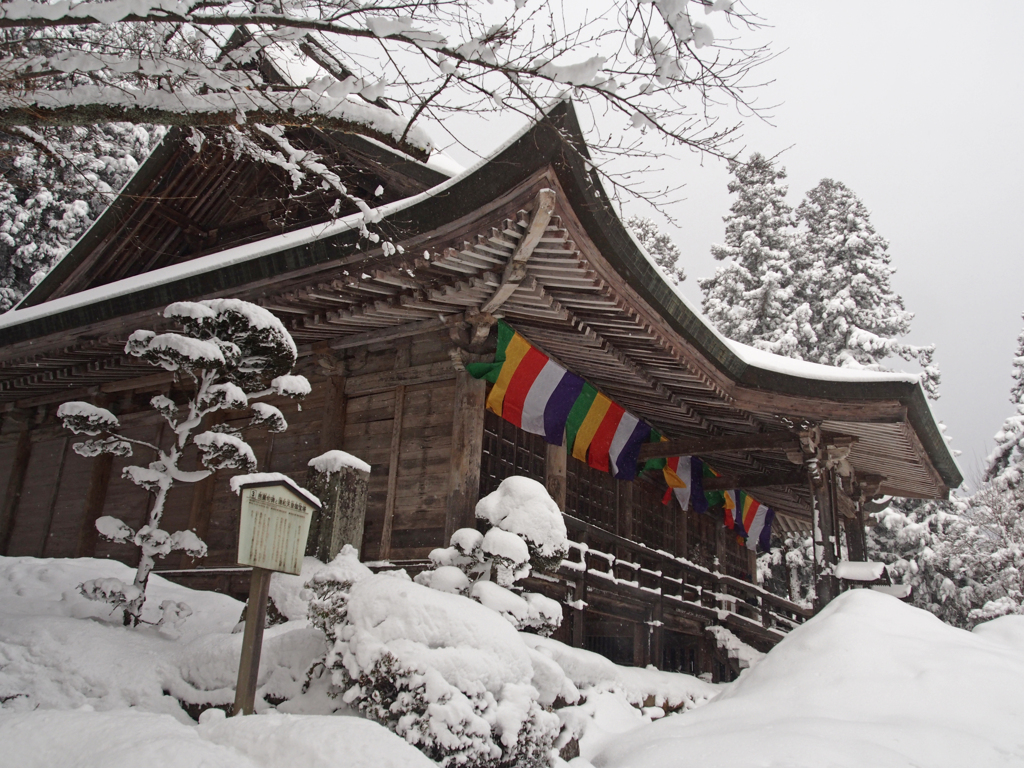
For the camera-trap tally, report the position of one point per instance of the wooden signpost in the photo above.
(272, 537)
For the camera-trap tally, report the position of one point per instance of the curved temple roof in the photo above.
(589, 297)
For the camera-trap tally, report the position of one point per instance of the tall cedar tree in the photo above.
(53, 183)
(843, 274)
(659, 246)
(750, 298)
(1006, 462)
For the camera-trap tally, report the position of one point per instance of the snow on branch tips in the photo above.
(375, 68)
(228, 353)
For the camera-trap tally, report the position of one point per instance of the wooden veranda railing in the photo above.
(599, 559)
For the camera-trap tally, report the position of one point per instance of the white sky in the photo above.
(917, 107)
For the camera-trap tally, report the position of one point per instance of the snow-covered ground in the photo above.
(870, 682)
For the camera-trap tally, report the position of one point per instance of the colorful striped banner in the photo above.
(748, 518)
(602, 434)
(530, 390)
(755, 519)
(678, 478)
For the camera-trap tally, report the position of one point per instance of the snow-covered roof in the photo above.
(684, 377)
(803, 369)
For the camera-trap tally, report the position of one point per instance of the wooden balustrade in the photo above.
(600, 556)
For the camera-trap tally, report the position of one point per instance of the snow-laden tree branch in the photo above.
(229, 353)
(375, 67)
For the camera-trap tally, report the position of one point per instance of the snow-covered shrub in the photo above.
(231, 352)
(526, 533)
(523, 506)
(450, 676)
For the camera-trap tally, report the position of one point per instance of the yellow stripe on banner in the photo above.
(514, 354)
(588, 428)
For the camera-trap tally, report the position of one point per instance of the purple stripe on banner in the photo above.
(627, 459)
(556, 412)
(764, 540)
(536, 400)
(697, 499)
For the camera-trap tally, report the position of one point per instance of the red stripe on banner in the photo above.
(526, 373)
(597, 454)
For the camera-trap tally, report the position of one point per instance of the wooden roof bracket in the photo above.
(515, 269)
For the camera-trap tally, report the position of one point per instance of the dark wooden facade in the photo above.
(383, 337)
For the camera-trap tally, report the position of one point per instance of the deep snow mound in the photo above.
(869, 682)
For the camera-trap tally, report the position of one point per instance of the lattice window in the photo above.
(590, 494)
(734, 561)
(653, 522)
(508, 451)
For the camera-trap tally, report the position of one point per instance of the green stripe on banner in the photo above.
(714, 498)
(577, 414)
(491, 371)
(654, 464)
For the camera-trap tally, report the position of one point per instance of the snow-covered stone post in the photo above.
(340, 481)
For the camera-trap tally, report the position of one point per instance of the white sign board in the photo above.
(273, 528)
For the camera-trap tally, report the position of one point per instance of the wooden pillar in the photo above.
(9, 503)
(856, 544)
(555, 473)
(467, 450)
(624, 511)
(392, 497)
(826, 538)
(720, 548)
(657, 655)
(641, 638)
(682, 531)
(342, 491)
(332, 429)
(252, 642)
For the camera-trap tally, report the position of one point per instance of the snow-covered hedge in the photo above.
(449, 675)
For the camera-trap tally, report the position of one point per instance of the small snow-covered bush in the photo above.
(526, 533)
(445, 673)
(523, 506)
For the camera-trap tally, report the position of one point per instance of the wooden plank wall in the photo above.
(53, 495)
(399, 419)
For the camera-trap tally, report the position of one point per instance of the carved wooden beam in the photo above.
(701, 446)
(758, 441)
(755, 480)
(515, 270)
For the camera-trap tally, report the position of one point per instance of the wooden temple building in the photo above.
(383, 334)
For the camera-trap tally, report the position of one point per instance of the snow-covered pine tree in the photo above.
(843, 274)
(229, 353)
(53, 183)
(751, 297)
(1006, 462)
(660, 246)
(963, 558)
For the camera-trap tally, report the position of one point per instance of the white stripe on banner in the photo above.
(682, 496)
(756, 526)
(537, 398)
(626, 426)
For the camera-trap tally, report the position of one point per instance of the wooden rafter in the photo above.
(515, 269)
